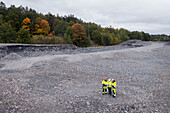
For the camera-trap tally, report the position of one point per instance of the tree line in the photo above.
(25, 25)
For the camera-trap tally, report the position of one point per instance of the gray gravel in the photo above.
(28, 50)
(69, 80)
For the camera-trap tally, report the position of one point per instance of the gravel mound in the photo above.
(12, 56)
(134, 43)
(168, 43)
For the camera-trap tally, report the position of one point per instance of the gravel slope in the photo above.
(72, 82)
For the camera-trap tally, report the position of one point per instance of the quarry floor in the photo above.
(72, 82)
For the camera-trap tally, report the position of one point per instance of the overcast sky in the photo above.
(152, 16)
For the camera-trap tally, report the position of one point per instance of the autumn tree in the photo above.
(26, 23)
(41, 26)
(37, 24)
(44, 25)
(14, 18)
(117, 39)
(79, 35)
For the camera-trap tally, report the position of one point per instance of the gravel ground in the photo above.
(59, 79)
(28, 50)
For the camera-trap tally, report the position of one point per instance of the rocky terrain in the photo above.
(64, 78)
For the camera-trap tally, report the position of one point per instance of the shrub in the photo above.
(41, 39)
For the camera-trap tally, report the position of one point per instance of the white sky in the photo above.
(152, 16)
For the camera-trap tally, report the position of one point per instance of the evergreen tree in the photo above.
(7, 33)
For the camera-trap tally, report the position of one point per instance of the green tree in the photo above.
(122, 35)
(3, 9)
(67, 39)
(7, 33)
(135, 35)
(106, 39)
(111, 39)
(146, 36)
(87, 42)
(40, 32)
(70, 23)
(115, 39)
(110, 29)
(1, 19)
(68, 36)
(60, 27)
(118, 39)
(50, 18)
(69, 31)
(92, 27)
(14, 17)
(97, 37)
(23, 36)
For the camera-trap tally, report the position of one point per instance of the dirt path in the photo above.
(72, 83)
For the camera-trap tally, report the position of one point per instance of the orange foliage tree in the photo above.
(37, 27)
(37, 24)
(26, 23)
(41, 26)
(44, 25)
(79, 35)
